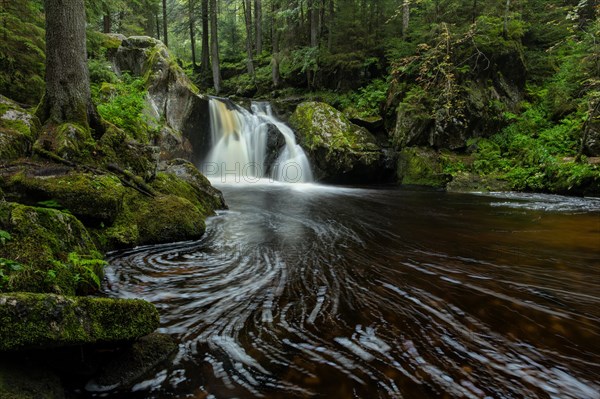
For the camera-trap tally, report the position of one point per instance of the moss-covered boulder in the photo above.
(133, 362)
(28, 382)
(421, 167)
(18, 130)
(340, 150)
(69, 141)
(465, 182)
(172, 97)
(45, 250)
(92, 198)
(29, 321)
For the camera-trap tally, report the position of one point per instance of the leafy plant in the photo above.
(4, 237)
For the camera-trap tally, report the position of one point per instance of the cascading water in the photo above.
(242, 142)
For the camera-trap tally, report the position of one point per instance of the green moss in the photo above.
(70, 141)
(418, 166)
(41, 240)
(44, 320)
(92, 198)
(18, 130)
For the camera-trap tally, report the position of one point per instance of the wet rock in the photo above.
(421, 167)
(28, 382)
(18, 130)
(340, 151)
(133, 362)
(202, 191)
(172, 97)
(32, 321)
(275, 143)
(464, 182)
(174, 145)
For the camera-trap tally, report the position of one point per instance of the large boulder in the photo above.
(35, 321)
(340, 151)
(46, 250)
(172, 97)
(421, 167)
(18, 130)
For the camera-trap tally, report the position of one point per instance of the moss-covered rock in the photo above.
(465, 182)
(69, 141)
(340, 150)
(27, 382)
(172, 97)
(41, 241)
(133, 362)
(92, 198)
(45, 320)
(18, 130)
(182, 178)
(117, 147)
(422, 167)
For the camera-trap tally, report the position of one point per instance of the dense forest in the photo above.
(509, 88)
(107, 112)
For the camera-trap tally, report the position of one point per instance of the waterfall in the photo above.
(253, 145)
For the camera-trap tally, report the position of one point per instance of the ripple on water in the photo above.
(368, 293)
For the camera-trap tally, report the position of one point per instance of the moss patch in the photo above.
(45, 320)
(41, 240)
(70, 141)
(18, 130)
(420, 166)
(339, 149)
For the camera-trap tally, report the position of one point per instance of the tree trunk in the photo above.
(258, 26)
(247, 5)
(68, 97)
(157, 26)
(314, 22)
(405, 18)
(205, 57)
(106, 21)
(505, 27)
(331, 21)
(214, 47)
(275, 40)
(474, 12)
(192, 28)
(165, 24)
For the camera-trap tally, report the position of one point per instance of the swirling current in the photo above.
(302, 291)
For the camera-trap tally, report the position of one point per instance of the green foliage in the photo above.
(123, 104)
(8, 267)
(4, 237)
(101, 71)
(86, 271)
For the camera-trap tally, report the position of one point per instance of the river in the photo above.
(331, 292)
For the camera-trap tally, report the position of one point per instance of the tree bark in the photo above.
(68, 97)
(405, 18)
(192, 29)
(314, 22)
(258, 26)
(275, 40)
(106, 21)
(165, 24)
(205, 57)
(214, 47)
(157, 26)
(505, 27)
(247, 5)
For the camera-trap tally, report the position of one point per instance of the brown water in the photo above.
(307, 291)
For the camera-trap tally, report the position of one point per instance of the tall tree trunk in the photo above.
(68, 97)
(214, 47)
(474, 11)
(247, 5)
(313, 10)
(505, 26)
(405, 18)
(331, 22)
(275, 40)
(192, 28)
(157, 26)
(258, 26)
(205, 57)
(165, 24)
(106, 20)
